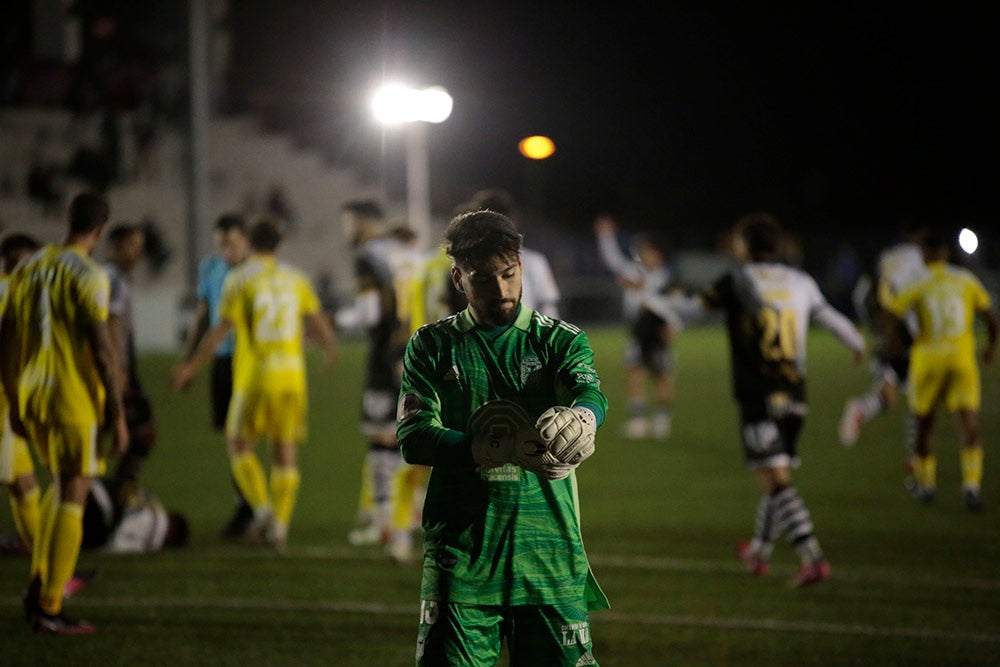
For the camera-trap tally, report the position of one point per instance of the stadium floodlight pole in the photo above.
(200, 110)
(395, 104)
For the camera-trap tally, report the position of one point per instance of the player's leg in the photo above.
(288, 415)
(459, 635)
(242, 436)
(364, 531)
(793, 520)
(25, 497)
(661, 365)
(40, 553)
(401, 541)
(762, 451)
(284, 483)
(879, 399)
(902, 368)
(963, 399)
(637, 427)
(971, 458)
(550, 636)
(67, 536)
(409, 484)
(384, 461)
(378, 423)
(17, 473)
(241, 439)
(923, 463)
(928, 381)
(770, 451)
(756, 552)
(47, 505)
(220, 393)
(791, 515)
(248, 471)
(74, 460)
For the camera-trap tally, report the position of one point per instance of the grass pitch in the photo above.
(912, 585)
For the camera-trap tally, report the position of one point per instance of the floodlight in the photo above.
(968, 240)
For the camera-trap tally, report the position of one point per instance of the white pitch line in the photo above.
(648, 563)
(777, 625)
(378, 609)
(848, 574)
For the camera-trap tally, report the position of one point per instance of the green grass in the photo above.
(912, 585)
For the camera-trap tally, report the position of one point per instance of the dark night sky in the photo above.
(678, 115)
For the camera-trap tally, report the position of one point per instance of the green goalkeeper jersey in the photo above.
(502, 536)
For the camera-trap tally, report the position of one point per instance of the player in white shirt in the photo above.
(768, 307)
(649, 355)
(899, 266)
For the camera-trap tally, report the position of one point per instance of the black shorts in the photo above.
(222, 390)
(770, 429)
(895, 370)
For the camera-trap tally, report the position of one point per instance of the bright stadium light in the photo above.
(396, 104)
(968, 241)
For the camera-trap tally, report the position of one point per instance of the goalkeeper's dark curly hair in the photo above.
(479, 235)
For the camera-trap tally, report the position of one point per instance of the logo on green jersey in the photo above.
(531, 369)
(409, 405)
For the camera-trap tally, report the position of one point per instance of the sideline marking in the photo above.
(650, 563)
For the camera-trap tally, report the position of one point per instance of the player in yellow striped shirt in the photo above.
(58, 371)
(264, 302)
(943, 364)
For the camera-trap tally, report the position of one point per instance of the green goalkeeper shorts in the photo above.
(464, 635)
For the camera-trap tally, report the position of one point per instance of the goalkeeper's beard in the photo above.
(502, 311)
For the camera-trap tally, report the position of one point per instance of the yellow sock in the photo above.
(249, 476)
(366, 497)
(284, 491)
(925, 470)
(43, 541)
(404, 482)
(66, 537)
(972, 467)
(26, 515)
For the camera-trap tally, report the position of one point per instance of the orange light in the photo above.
(536, 147)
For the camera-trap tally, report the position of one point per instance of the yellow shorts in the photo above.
(278, 417)
(15, 457)
(68, 449)
(937, 376)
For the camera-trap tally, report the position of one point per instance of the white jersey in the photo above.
(768, 309)
(901, 265)
(649, 283)
(142, 526)
(120, 306)
(539, 290)
(795, 299)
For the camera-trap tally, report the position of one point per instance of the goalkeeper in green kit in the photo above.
(503, 403)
